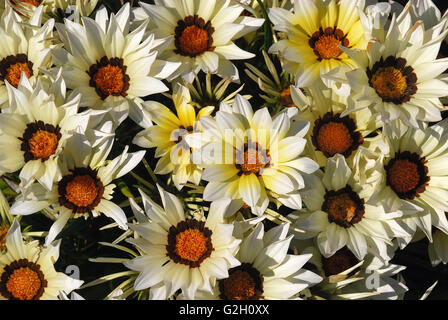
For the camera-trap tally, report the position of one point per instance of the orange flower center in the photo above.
(193, 40)
(82, 191)
(407, 175)
(389, 83)
(341, 207)
(253, 159)
(342, 260)
(325, 43)
(189, 243)
(43, 144)
(403, 175)
(15, 72)
(109, 78)
(11, 68)
(239, 286)
(333, 134)
(193, 36)
(327, 46)
(344, 207)
(22, 280)
(244, 283)
(334, 138)
(393, 80)
(40, 141)
(23, 284)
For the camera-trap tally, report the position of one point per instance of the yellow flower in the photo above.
(314, 33)
(168, 136)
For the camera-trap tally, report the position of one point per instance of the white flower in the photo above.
(331, 133)
(27, 271)
(112, 67)
(85, 184)
(347, 278)
(415, 178)
(247, 156)
(338, 214)
(169, 136)
(35, 130)
(315, 31)
(179, 252)
(400, 80)
(203, 33)
(25, 49)
(266, 271)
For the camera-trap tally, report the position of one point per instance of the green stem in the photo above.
(266, 26)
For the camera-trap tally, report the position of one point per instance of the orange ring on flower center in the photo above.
(244, 283)
(22, 280)
(193, 36)
(11, 68)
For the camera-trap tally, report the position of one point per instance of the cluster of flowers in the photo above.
(307, 195)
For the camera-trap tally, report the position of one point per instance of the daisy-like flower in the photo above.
(400, 79)
(414, 178)
(85, 185)
(315, 32)
(331, 133)
(35, 130)
(204, 32)
(247, 156)
(169, 136)
(338, 214)
(345, 277)
(26, 49)
(179, 252)
(27, 270)
(266, 272)
(112, 67)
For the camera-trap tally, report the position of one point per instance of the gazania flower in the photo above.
(110, 66)
(266, 272)
(204, 32)
(331, 133)
(169, 136)
(314, 31)
(26, 49)
(85, 185)
(181, 252)
(250, 155)
(27, 270)
(35, 130)
(338, 213)
(414, 177)
(400, 80)
(347, 278)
